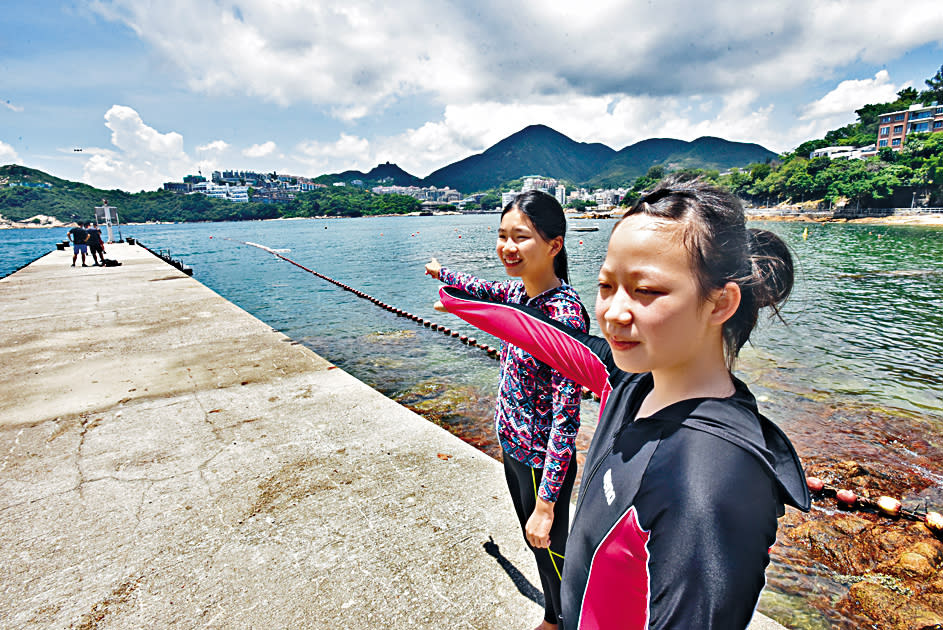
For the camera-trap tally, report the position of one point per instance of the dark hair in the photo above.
(545, 212)
(723, 250)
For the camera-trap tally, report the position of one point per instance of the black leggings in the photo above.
(523, 482)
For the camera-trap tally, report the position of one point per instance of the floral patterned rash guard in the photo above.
(537, 415)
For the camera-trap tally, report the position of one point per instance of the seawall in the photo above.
(168, 460)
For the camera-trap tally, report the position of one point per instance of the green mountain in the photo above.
(534, 150)
(540, 150)
(381, 175)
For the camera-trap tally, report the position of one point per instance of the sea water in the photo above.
(855, 372)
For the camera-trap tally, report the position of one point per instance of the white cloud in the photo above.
(8, 154)
(260, 150)
(143, 157)
(851, 95)
(217, 146)
(616, 72)
(348, 152)
(11, 106)
(357, 57)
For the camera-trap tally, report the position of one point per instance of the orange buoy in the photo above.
(846, 497)
(934, 521)
(889, 505)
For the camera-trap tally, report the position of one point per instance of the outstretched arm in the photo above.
(488, 289)
(578, 356)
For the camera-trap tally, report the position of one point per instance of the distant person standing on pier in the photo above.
(537, 415)
(79, 236)
(95, 244)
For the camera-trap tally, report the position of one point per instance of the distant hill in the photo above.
(540, 150)
(72, 201)
(534, 150)
(706, 152)
(381, 175)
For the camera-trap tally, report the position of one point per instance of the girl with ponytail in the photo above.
(685, 478)
(537, 414)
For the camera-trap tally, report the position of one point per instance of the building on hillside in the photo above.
(238, 177)
(30, 184)
(844, 153)
(428, 193)
(306, 184)
(893, 127)
(273, 195)
(237, 194)
(176, 187)
(538, 182)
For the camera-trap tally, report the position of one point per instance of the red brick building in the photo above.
(893, 127)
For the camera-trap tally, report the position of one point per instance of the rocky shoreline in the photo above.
(38, 221)
(895, 219)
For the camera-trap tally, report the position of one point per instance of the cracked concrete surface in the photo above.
(168, 460)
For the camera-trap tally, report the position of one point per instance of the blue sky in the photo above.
(151, 91)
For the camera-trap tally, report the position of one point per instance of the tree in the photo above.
(490, 200)
(934, 88)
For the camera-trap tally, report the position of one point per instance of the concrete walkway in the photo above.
(168, 460)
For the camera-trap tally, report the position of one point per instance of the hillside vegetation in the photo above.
(72, 201)
(911, 176)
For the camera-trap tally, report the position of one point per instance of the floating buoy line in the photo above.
(888, 506)
(491, 351)
(427, 323)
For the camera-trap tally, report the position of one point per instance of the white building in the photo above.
(844, 153)
(561, 194)
(237, 194)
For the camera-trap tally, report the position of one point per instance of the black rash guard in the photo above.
(676, 511)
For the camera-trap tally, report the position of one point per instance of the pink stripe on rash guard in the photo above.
(617, 591)
(556, 348)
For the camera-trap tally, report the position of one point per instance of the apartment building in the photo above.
(893, 127)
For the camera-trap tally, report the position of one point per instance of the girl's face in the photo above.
(648, 306)
(522, 250)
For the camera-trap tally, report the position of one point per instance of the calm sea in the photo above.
(854, 373)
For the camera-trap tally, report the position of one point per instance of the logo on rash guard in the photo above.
(607, 487)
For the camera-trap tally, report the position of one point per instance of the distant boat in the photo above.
(585, 228)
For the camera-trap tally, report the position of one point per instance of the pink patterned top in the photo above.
(537, 415)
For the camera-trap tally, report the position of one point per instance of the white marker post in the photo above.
(109, 216)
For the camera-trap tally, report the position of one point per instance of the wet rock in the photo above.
(851, 525)
(837, 543)
(932, 550)
(395, 335)
(851, 469)
(873, 600)
(913, 564)
(894, 568)
(461, 410)
(935, 586)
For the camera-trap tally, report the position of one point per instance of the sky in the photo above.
(152, 91)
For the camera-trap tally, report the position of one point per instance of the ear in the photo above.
(556, 244)
(725, 303)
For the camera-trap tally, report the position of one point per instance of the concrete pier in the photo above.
(168, 460)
